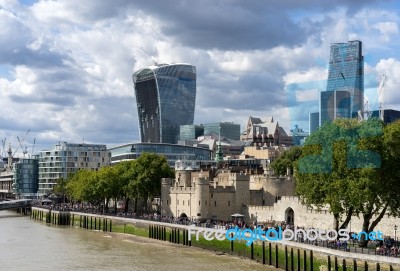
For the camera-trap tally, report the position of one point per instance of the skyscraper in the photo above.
(165, 96)
(346, 78)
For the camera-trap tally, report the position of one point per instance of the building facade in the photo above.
(65, 158)
(26, 178)
(335, 104)
(313, 121)
(346, 73)
(219, 193)
(165, 96)
(228, 130)
(190, 132)
(389, 115)
(172, 152)
(265, 133)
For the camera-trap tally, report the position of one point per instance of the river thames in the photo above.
(30, 245)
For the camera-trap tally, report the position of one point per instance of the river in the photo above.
(30, 245)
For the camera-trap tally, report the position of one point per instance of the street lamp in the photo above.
(256, 219)
(395, 239)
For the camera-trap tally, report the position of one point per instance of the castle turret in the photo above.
(183, 177)
(166, 184)
(202, 197)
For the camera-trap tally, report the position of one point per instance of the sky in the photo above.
(66, 66)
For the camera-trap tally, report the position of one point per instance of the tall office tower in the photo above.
(346, 78)
(165, 96)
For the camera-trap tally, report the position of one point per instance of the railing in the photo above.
(15, 204)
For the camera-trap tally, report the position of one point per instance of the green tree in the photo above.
(61, 188)
(148, 170)
(351, 166)
(286, 160)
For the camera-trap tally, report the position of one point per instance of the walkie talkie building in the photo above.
(165, 96)
(345, 75)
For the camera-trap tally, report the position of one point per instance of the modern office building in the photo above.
(346, 77)
(313, 121)
(26, 177)
(65, 158)
(165, 96)
(389, 115)
(335, 104)
(172, 152)
(190, 132)
(225, 129)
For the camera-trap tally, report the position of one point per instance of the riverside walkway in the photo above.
(15, 204)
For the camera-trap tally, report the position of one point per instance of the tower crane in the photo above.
(33, 146)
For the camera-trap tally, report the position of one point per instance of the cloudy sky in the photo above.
(66, 66)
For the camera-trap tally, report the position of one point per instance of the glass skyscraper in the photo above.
(346, 78)
(165, 96)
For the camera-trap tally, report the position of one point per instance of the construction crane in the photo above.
(33, 146)
(21, 142)
(22, 148)
(380, 96)
(365, 113)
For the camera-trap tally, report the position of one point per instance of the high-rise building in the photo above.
(335, 104)
(313, 121)
(345, 75)
(65, 158)
(165, 96)
(25, 179)
(190, 132)
(389, 115)
(225, 129)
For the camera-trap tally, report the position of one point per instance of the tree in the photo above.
(352, 167)
(148, 170)
(285, 161)
(61, 187)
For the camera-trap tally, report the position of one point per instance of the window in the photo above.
(199, 203)
(167, 202)
(212, 195)
(215, 203)
(229, 203)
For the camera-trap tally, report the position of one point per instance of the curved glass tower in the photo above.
(165, 96)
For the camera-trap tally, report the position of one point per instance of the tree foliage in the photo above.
(140, 178)
(352, 167)
(285, 161)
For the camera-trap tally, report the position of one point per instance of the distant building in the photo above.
(335, 104)
(265, 133)
(298, 135)
(165, 96)
(228, 130)
(190, 132)
(172, 152)
(26, 178)
(344, 95)
(65, 158)
(218, 193)
(389, 115)
(313, 121)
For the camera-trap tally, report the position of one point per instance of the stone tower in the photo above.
(202, 197)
